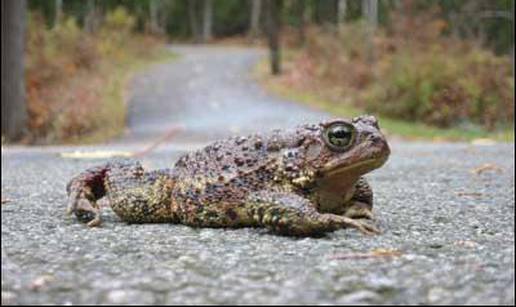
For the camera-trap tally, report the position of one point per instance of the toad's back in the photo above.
(215, 181)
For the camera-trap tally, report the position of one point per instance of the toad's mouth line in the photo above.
(370, 164)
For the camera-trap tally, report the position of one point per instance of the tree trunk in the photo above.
(207, 20)
(90, 19)
(14, 108)
(273, 10)
(333, 15)
(512, 35)
(342, 7)
(194, 21)
(370, 12)
(58, 12)
(317, 12)
(254, 26)
(154, 6)
(301, 14)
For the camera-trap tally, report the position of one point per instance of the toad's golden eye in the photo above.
(339, 136)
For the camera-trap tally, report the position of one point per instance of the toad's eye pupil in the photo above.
(340, 136)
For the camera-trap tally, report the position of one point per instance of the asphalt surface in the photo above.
(446, 212)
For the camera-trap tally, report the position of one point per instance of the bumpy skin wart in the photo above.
(301, 182)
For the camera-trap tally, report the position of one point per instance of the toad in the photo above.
(305, 181)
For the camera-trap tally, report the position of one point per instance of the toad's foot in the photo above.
(360, 225)
(360, 210)
(290, 214)
(85, 210)
(83, 193)
(135, 195)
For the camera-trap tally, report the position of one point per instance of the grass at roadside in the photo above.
(393, 127)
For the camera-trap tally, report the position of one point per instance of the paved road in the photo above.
(452, 229)
(211, 94)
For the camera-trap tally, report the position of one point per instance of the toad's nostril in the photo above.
(375, 139)
(379, 143)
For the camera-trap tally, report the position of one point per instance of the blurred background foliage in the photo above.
(486, 20)
(445, 63)
(75, 78)
(410, 69)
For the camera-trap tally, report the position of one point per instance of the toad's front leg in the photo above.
(290, 214)
(361, 204)
(135, 196)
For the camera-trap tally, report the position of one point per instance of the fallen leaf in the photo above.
(99, 154)
(379, 252)
(466, 243)
(41, 281)
(483, 142)
(473, 194)
(486, 167)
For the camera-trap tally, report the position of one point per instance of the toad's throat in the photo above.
(360, 167)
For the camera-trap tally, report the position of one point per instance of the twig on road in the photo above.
(380, 252)
(472, 194)
(485, 168)
(165, 137)
(101, 154)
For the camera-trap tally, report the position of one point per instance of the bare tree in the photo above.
(342, 7)
(58, 15)
(254, 26)
(370, 12)
(90, 22)
(14, 108)
(194, 20)
(512, 35)
(207, 20)
(301, 14)
(154, 7)
(333, 10)
(273, 11)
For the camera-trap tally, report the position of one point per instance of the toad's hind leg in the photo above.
(290, 214)
(135, 196)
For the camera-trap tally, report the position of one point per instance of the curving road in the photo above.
(446, 211)
(210, 93)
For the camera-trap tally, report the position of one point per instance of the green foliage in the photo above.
(487, 19)
(410, 71)
(119, 20)
(177, 25)
(231, 17)
(443, 82)
(115, 33)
